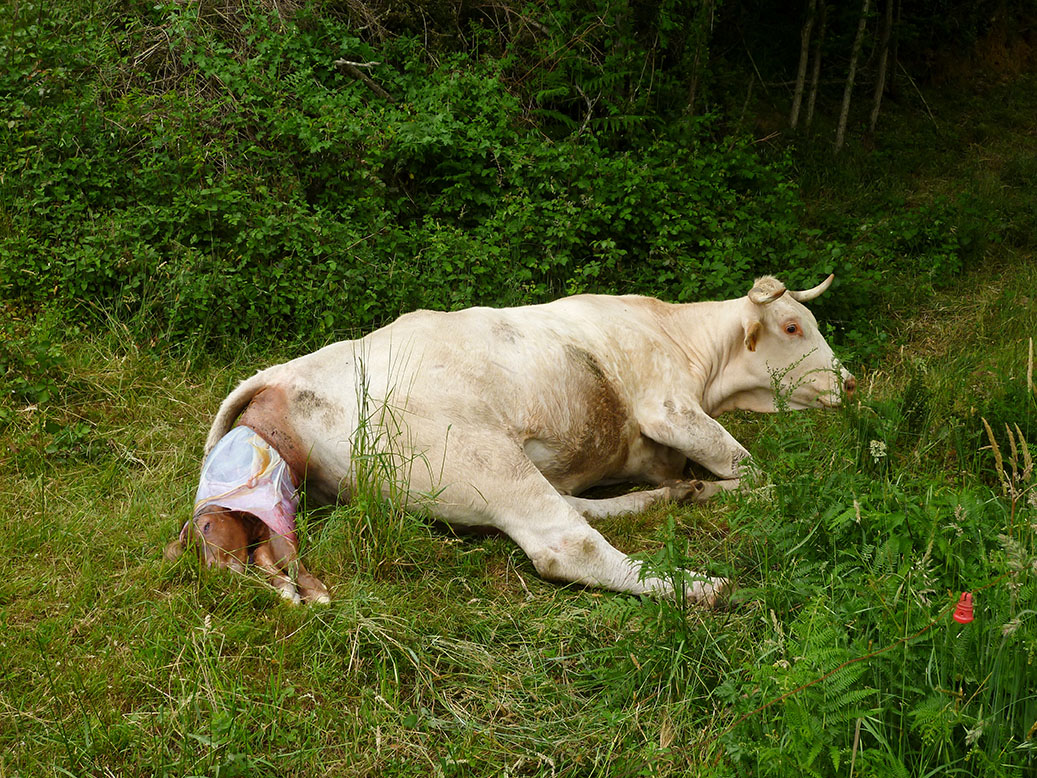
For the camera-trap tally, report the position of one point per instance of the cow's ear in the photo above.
(752, 334)
(173, 550)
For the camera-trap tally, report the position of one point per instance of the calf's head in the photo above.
(784, 350)
(222, 538)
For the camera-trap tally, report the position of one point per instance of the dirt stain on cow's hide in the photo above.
(504, 331)
(600, 442)
(308, 403)
(584, 437)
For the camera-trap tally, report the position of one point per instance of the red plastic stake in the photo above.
(963, 613)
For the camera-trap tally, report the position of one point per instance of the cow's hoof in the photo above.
(686, 491)
(698, 491)
(711, 489)
(714, 592)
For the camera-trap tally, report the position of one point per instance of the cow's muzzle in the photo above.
(833, 398)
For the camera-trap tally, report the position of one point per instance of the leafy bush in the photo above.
(32, 364)
(243, 186)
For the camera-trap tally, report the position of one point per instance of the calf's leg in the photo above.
(270, 563)
(280, 560)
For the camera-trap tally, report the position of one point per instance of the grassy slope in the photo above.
(448, 655)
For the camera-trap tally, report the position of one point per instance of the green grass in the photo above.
(447, 654)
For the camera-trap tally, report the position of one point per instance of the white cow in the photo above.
(500, 417)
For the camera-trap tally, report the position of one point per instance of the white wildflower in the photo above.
(877, 449)
(972, 735)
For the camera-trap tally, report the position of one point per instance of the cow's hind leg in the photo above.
(514, 497)
(566, 548)
(483, 478)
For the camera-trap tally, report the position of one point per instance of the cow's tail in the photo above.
(233, 405)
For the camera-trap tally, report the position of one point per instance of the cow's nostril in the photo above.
(850, 385)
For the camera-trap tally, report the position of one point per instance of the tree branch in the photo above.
(354, 69)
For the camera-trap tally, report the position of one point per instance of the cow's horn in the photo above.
(766, 290)
(810, 294)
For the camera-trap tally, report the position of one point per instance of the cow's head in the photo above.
(782, 341)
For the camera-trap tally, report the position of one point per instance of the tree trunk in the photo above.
(844, 114)
(880, 83)
(703, 26)
(816, 75)
(804, 56)
(894, 51)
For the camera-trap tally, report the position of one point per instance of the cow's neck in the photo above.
(711, 335)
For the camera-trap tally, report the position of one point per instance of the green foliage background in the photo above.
(205, 169)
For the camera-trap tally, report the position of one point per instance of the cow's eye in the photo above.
(792, 328)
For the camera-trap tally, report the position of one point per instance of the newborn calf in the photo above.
(234, 539)
(245, 512)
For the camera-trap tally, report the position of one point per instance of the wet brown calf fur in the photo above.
(232, 539)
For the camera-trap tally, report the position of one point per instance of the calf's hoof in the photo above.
(289, 595)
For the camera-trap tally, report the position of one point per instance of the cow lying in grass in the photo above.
(500, 418)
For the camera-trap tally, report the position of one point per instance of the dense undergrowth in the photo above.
(187, 185)
(207, 171)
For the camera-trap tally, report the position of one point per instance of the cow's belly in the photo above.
(607, 457)
(638, 460)
(570, 468)
(652, 462)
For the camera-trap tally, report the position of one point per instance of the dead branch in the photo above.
(854, 56)
(815, 77)
(804, 56)
(880, 84)
(354, 69)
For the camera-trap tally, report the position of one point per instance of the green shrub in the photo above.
(858, 554)
(244, 187)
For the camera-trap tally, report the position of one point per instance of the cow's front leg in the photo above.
(690, 430)
(634, 502)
